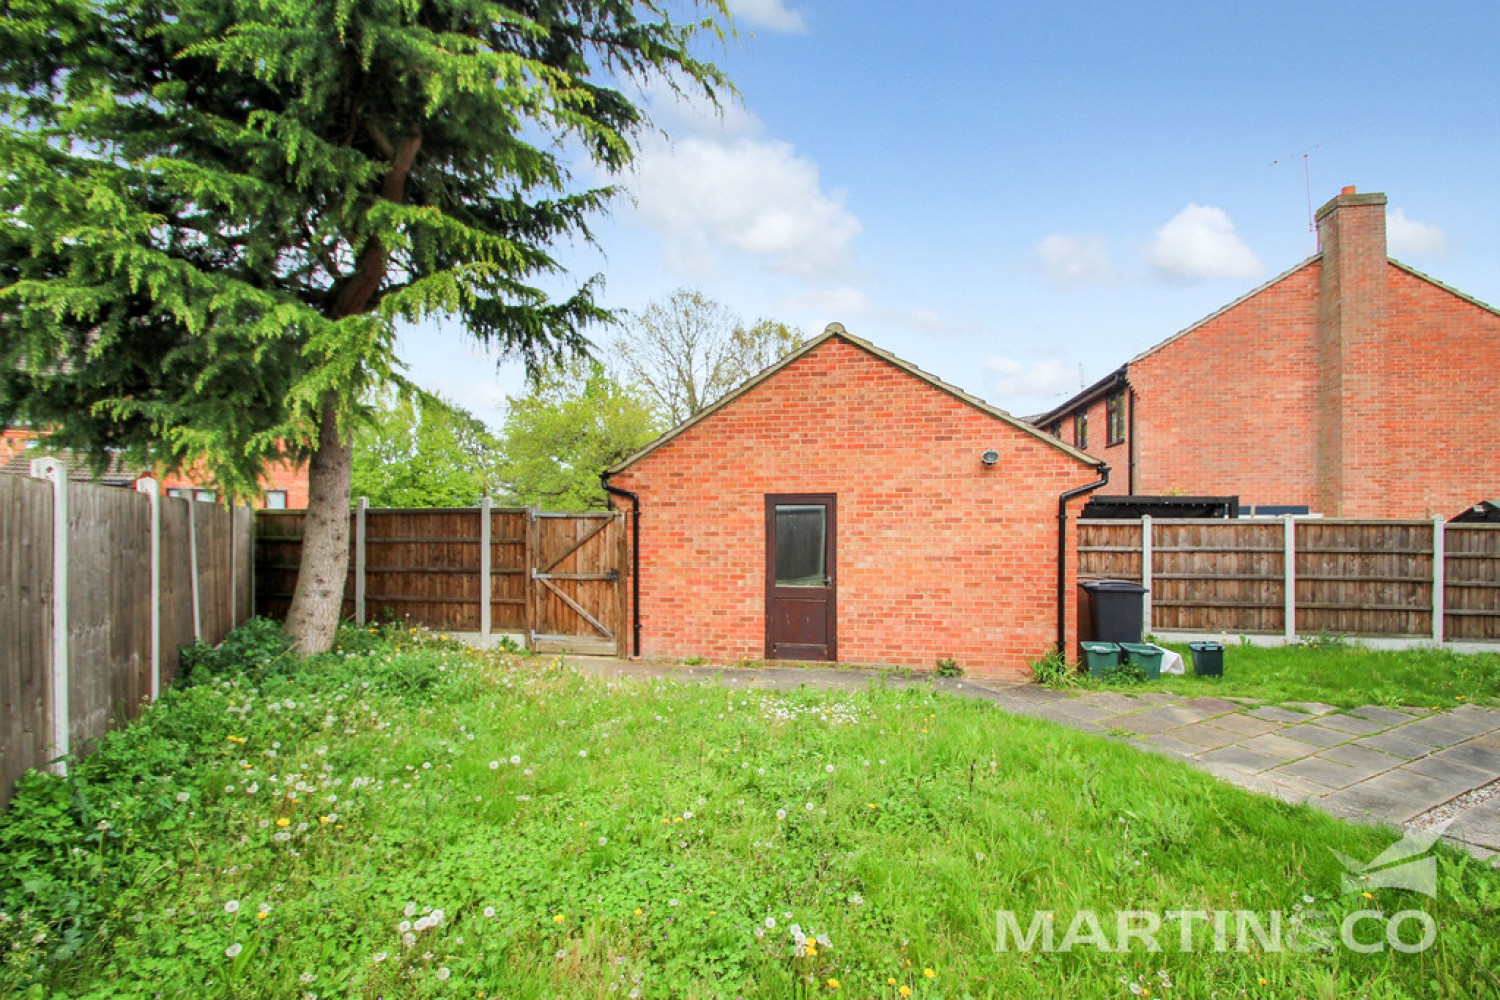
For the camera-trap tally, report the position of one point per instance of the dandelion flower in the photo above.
(558, 918)
(380, 956)
(930, 974)
(489, 911)
(494, 765)
(770, 923)
(905, 991)
(810, 807)
(515, 758)
(443, 973)
(234, 949)
(638, 911)
(283, 821)
(183, 796)
(233, 906)
(781, 814)
(833, 984)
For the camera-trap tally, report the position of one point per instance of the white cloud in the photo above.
(824, 305)
(1200, 243)
(1408, 237)
(1072, 259)
(1036, 378)
(771, 14)
(754, 196)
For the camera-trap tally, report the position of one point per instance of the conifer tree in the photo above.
(216, 212)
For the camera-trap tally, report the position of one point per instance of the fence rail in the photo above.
(100, 587)
(1300, 576)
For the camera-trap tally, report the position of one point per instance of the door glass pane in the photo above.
(800, 547)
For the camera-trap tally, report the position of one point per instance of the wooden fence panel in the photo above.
(423, 565)
(176, 587)
(1364, 577)
(109, 609)
(25, 627)
(1109, 550)
(1472, 582)
(1217, 576)
(508, 570)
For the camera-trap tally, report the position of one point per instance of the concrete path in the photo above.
(1409, 767)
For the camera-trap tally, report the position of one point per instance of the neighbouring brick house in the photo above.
(845, 505)
(1350, 386)
(282, 486)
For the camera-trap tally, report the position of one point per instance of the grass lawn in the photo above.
(410, 818)
(1339, 674)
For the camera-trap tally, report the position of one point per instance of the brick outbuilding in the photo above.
(846, 505)
(1349, 386)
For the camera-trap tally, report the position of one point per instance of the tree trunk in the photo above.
(313, 619)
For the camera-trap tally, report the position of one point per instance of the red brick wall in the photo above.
(937, 554)
(1231, 407)
(278, 476)
(1442, 426)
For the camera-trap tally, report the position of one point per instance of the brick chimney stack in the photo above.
(1353, 310)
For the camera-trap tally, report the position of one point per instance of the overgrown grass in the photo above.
(409, 818)
(1344, 675)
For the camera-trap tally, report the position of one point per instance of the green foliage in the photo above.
(573, 423)
(421, 450)
(256, 650)
(947, 666)
(1053, 670)
(216, 214)
(1346, 676)
(684, 354)
(1323, 639)
(1124, 672)
(548, 834)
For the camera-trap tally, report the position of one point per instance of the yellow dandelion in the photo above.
(890, 980)
(283, 821)
(833, 984)
(262, 915)
(930, 974)
(1264, 981)
(559, 918)
(905, 991)
(639, 911)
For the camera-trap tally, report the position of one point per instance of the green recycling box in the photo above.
(1100, 656)
(1208, 658)
(1148, 658)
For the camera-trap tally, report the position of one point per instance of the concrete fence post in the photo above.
(1289, 577)
(1146, 568)
(359, 560)
(486, 506)
(1439, 579)
(56, 473)
(149, 487)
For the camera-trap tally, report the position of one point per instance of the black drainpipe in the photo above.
(635, 560)
(1130, 445)
(1062, 557)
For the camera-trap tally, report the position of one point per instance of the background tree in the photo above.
(574, 423)
(687, 352)
(214, 213)
(421, 450)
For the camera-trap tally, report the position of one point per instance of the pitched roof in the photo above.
(79, 470)
(836, 330)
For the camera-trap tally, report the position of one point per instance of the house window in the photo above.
(1114, 409)
(177, 491)
(207, 496)
(1081, 430)
(275, 499)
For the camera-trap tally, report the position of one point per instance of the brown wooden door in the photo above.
(801, 606)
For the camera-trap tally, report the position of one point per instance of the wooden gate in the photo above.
(578, 573)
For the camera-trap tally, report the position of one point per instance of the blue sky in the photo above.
(1019, 197)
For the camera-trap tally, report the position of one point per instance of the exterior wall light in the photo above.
(990, 457)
